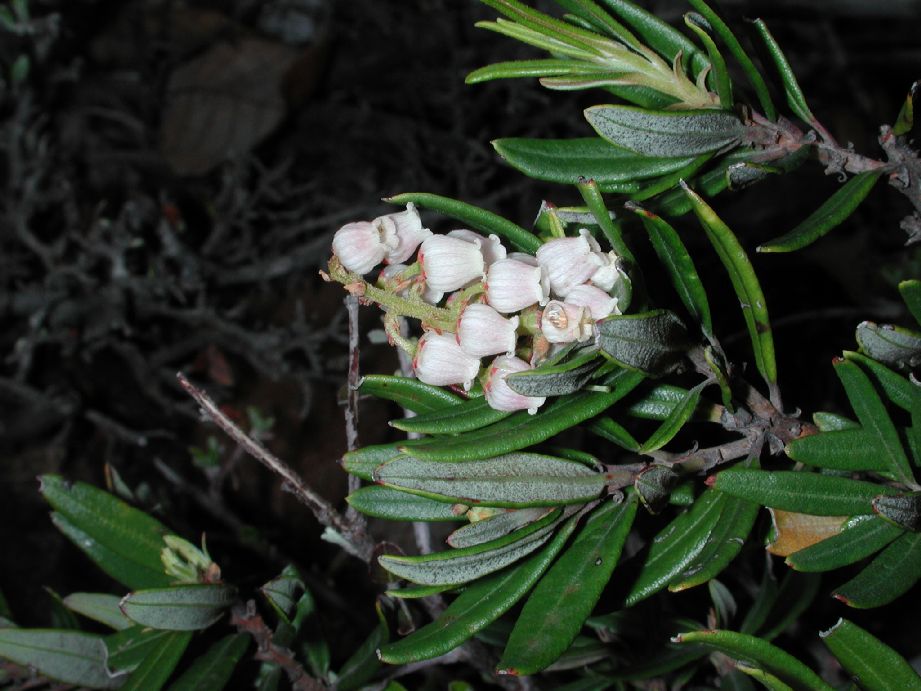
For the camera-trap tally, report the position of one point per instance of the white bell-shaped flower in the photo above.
(499, 395)
(440, 361)
(361, 245)
(562, 322)
(569, 261)
(481, 331)
(406, 227)
(512, 285)
(597, 301)
(609, 273)
(491, 247)
(450, 263)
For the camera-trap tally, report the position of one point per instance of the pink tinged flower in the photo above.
(491, 247)
(512, 285)
(609, 273)
(569, 261)
(499, 395)
(450, 263)
(440, 361)
(389, 280)
(597, 301)
(562, 322)
(481, 330)
(404, 231)
(360, 246)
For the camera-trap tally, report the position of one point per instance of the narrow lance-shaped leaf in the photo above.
(860, 538)
(666, 133)
(477, 607)
(100, 607)
(797, 593)
(744, 281)
(891, 573)
(394, 505)
(675, 421)
(362, 462)
(215, 668)
(897, 388)
(494, 527)
(408, 393)
(911, 294)
(363, 664)
(833, 212)
(794, 93)
(613, 431)
(903, 510)
(532, 68)
(870, 662)
(554, 613)
(558, 379)
(591, 193)
(719, 74)
(651, 342)
(850, 449)
(160, 662)
(671, 180)
(906, 118)
(283, 591)
(892, 345)
(178, 608)
(130, 647)
(71, 657)
(465, 417)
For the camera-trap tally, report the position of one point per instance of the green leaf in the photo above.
(678, 133)
(651, 342)
(556, 379)
(897, 388)
(594, 200)
(676, 546)
(657, 403)
(178, 608)
(214, 669)
(394, 505)
(552, 67)
(569, 161)
(123, 541)
(758, 654)
(494, 527)
(903, 510)
(836, 209)
(160, 662)
(893, 572)
(874, 418)
(129, 647)
(477, 607)
(832, 422)
(849, 449)
(709, 183)
(675, 421)
(363, 664)
(738, 52)
(458, 566)
(414, 592)
(860, 538)
(892, 345)
(679, 265)
(654, 486)
(282, 592)
(672, 180)
(906, 118)
(744, 281)
(797, 592)
(465, 417)
(476, 218)
(362, 462)
(511, 481)
(870, 662)
(768, 680)
(555, 611)
(911, 294)
(794, 94)
(71, 657)
(408, 393)
(801, 492)
(719, 74)
(521, 430)
(614, 432)
(100, 607)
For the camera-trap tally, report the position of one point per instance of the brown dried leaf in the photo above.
(796, 531)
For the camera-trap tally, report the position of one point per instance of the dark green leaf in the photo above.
(521, 430)
(680, 267)
(651, 342)
(710, 183)
(556, 380)
(99, 607)
(408, 393)
(744, 281)
(797, 592)
(911, 294)
(893, 572)
(212, 671)
(71, 657)
(477, 607)
(654, 486)
(583, 652)
(363, 664)
(555, 611)
(675, 421)
(570, 161)
(849, 449)
(870, 662)
(414, 592)
(494, 527)
(465, 417)
(160, 662)
(801, 492)
(795, 98)
(594, 200)
(534, 68)
(672, 180)
(513, 480)
(614, 432)
(123, 541)
(906, 118)
(892, 345)
(394, 505)
(678, 133)
(832, 422)
(745, 174)
(759, 654)
(282, 592)
(657, 403)
(61, 617)
(836, 209)
(897, 388)
(861, 537)
(719, 74)
(362, 462)
(178, 608)
(479, 219)
(129, 647)
(904, 510)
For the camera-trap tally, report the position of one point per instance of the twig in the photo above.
(351, 397)
(354, 540)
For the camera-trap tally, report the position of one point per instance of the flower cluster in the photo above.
(476, 300)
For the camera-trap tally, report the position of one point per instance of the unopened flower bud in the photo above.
(499, 395)
(450, 263)
(491, 247)
(404, 231)
(389, 280)
(440, 361)
(481, 330)
(597, 301)
(569, 261)
(512, 285)
(562, 322)
(360, 246)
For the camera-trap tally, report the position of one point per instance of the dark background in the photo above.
(129, 251)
